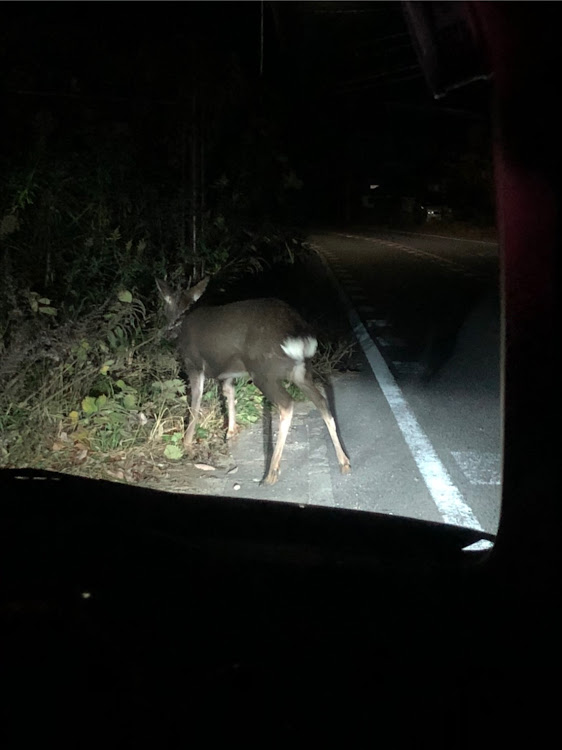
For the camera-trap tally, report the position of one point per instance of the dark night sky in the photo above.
(341, 79)
(331, 47)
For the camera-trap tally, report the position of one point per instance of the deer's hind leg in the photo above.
(303, 379)
(273, 390)
(228, 393)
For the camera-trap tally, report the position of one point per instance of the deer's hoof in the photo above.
(271, 478)
(345, 468)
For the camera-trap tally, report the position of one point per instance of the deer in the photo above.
(265, 339)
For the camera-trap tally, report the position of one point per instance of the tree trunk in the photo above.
(194, 174)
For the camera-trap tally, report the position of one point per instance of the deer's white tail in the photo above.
(300, 349)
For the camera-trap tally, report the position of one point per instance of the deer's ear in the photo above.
(196, 291)
(166, 291)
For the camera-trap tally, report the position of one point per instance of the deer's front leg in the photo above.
(196, 383)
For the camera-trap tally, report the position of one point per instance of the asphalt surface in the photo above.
(420, 415)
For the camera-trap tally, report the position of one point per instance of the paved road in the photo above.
(420, 418)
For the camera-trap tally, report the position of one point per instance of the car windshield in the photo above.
(247, 252)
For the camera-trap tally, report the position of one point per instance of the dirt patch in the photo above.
(186, 476)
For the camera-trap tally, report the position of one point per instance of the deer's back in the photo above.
(239, 336)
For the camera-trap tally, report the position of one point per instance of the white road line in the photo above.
(446, 496)
(421, 235)
(447, 263)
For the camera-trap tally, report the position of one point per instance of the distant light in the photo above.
(373, 187)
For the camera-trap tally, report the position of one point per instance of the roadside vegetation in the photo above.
(133, 170)
(107, 185)
(88, 383)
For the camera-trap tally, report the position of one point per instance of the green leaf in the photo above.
(173, 452)
(48, 310)
(101, 401)
(125, 296)
(129, 402)
(89, 405)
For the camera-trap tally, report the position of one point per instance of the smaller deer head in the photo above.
(177, 303)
